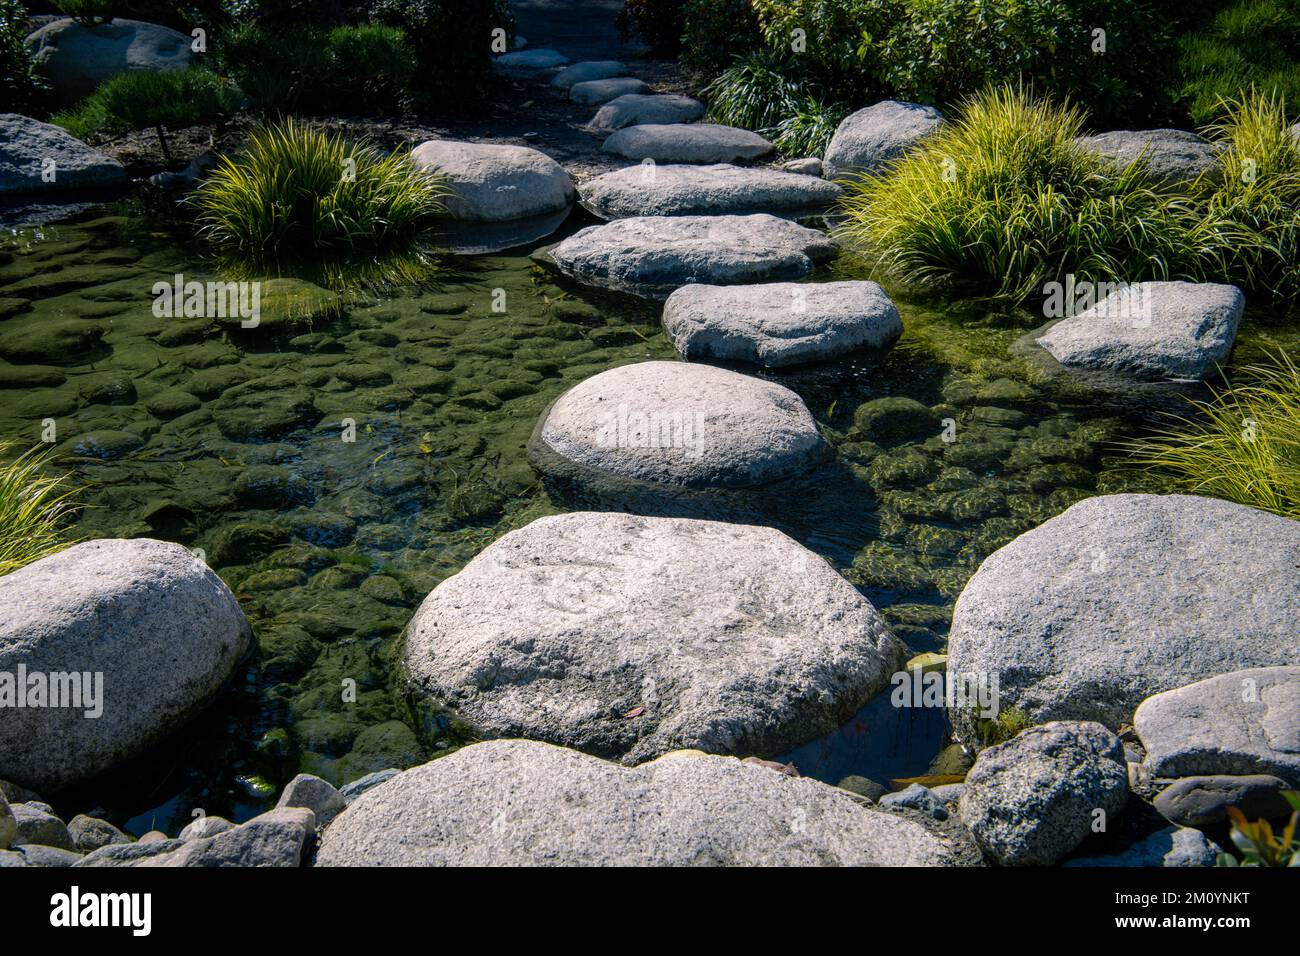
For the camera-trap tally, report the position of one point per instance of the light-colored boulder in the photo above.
(1245, 722)
(866, 141)
(204, 826)
(680, 424)
(629, 637)
(1124, 596)
(91, 833)
(588, 70)
(75, 59)
(807, 166)
(526, 63)
(158, 627)
(1175, 846)
(317, 795)
(496, 183)
(1170, 155)
(129, 854)
(1170, 331)
(592, 92)
(653, 256)
(515, 802)
(38, 157)
(687, 143)
(723, 189)
(633, 109)
(278, 838)
(776, 324)
(357, 787)
(49, 856)
(1033, 799)
(36, 824)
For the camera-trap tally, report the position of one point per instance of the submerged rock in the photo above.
(160, 628)
(717, 190)
(510, 802)
(653, 256)
(1124, 596)
(602, 91)
(495, 183)
(687, 143)
(780, 323)
(679, 424)
(76, 59)
(38, 157)
(634, 109)
(1033, 799)
(628, 637)
(1170, 155)
(872, 137)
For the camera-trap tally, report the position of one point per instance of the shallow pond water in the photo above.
(333, 468)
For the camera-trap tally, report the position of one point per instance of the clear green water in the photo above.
(230, 441)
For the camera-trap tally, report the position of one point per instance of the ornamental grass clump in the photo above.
(1003, 201)
(298, 189)
(34, 509)
(1243, 444)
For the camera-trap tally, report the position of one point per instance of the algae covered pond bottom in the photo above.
(334, 468)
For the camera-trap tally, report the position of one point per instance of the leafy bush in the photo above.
(716, 32)
(1252, 43)
(755, 94)
(1259, 845)
(659, 24)
(1243, 444)
(1003, 201)
(452, 40)
(297, 188)
(34, 507)
(89, 12)
(147, 99)
(21, 88)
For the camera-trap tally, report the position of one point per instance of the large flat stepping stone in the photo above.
(628, 637)
(495, 183)
(653, 256)
(1124, 596)
(592, 92)
(1247, 722)
(521, 803)
(1153, 331)
(588, 70)
(634, 109)
(161, 628)
(871, 138)
(1170, 155)
(687, 143)
(780, 323)
(680, 424)
(530, 62)
(38, 157)
(76, 59)
(722, 189)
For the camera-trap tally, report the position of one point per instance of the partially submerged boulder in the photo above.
(1169, 155)
(687, 143)
(494, 183)
(776, 324)
(866, 141)
(721, 189)
(628, 637)
(38, 157)
(75, 59)
(635, 109)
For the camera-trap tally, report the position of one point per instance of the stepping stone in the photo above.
(591, 92)
(866, 141)
(76, 59)
(627, 637)
(652, 190)
(494, 183)
(1155, 331)
(779, 323)
(160, 627)
(634, 109)
(588, 70)
(27, 147)
(1245, 722)
(679, 424)
(653, 256)
(530, 62)
(1123, 596)
(687, 143)
(1170, 155)
(517, 802)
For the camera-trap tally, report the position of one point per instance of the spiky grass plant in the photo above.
(1003, 201)
(301, 189)
(34, 508)
(758, 93)
(1243, 445)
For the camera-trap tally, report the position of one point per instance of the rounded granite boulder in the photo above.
(866, 141)
(495, 183)
(75, 59)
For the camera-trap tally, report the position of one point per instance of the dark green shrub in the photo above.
(756, 94)
(21, 89)
(658, 23)
(370, 69)
(715, 33)
(452, 40)
(89, 12)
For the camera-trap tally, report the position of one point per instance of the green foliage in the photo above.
(1252, 43)
(1243, 444)
(1009, 722)
(452, 40)
(1003, 201)
(370, 68)
(755, 94)
(146, 99)
(297, 188)
(716, 32)
(89, 12)
(1259, 845)
(21, 89)
(34, 508)
(659, 23)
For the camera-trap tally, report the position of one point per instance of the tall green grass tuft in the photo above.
(298, 188)
(1243, 446)
(34, 509)
(1003, 201)
(756, 93)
